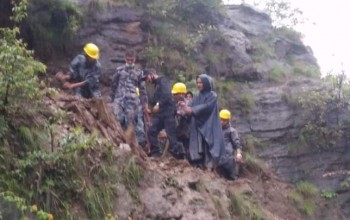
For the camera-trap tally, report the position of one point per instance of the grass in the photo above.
(252, 142)
(263, 50)
(245, 207)
(132, 174)
(254, 164)
(304, 197)
(307, 189)
(288, 33)
(277, 74)
(247, 102)
(306, 70)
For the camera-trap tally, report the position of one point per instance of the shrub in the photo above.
(288, 33)
(53, 25)
(277, 74)
(246, 102)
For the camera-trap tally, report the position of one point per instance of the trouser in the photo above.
(168, 123)
(140, 128)
(125, 110)
(227, 168)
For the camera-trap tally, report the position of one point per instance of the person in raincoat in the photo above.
(206, 146)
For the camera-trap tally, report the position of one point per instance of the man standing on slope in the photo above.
(84, 73)
(124, 98)
(164, 116)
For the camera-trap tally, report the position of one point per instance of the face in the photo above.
(199, 84)
(224, 122)
(90, 60)
(178, 96)
(149, 78)
(130, 60)
(189, 96)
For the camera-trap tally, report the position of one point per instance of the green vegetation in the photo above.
(288, 33)
(282, 12)
(328, 194)
(251, 142)
(307, 189)
(132, 174)
(181, 30)
(254, 164)
(36, 168)
(52, 25)
(19, 84)
(244, 206)
(345, 184)
(304, 197)
(306, 70)
(263, 50)
(246, 102)
(317, 132)
(277, 74)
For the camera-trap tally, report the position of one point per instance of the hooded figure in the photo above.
(206, 145)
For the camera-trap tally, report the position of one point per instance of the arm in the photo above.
(69, 85)
(93, 77)
(236, 143)
(115, 84)
(206, 107)
(74, 67)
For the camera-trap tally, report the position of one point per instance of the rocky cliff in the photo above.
(254, 52)
(261, 73)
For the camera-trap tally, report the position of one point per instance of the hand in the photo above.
(182, 104)
(146, 110)
(67, 85)
(59, 76)
(187, 110)
(155, 109)
(239, 157)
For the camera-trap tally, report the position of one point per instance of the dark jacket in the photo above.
(163, 96)
(81, 70)
(232, 141)
(205, 123)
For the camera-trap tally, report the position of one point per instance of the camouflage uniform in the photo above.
(80, 70)
(124, 98)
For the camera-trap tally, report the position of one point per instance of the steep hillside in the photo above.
(72, 159)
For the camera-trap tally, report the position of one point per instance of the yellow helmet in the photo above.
(92, 50)
(179, 88)
(225, 114)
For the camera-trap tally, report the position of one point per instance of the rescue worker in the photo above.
(206, 145)
(232, 145)
(182, 120)
(84, 73)
(164, 116)
(124, 98)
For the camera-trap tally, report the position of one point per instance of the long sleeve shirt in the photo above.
(163, 96)
(231, 138)
(124, 84)
(81, 70)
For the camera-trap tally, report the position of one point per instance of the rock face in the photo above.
(272, 118)
(114, 31)
(278, 123)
